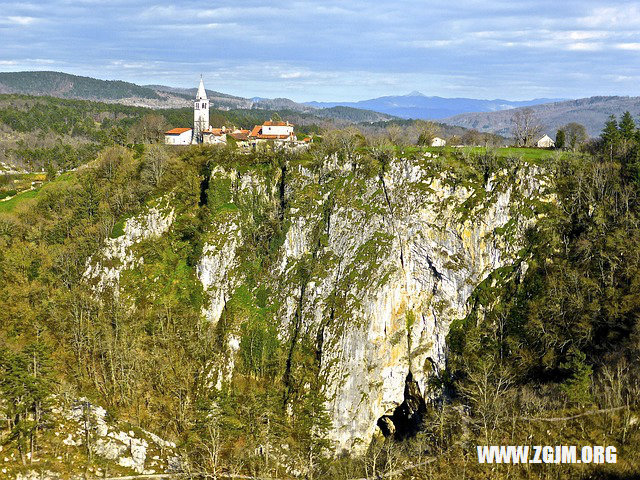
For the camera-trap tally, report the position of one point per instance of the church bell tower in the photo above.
(200, 113)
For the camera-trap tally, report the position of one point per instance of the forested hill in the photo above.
(64, 85)
(419, 106)
(591, 112)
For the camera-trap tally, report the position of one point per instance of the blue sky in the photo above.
(336, 50)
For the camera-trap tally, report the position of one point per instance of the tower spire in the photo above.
(202, 93)
(200, 113)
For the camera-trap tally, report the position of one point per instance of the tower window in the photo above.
(197, 106)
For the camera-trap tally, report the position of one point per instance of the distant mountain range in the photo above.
(418, 106)
(64, 85)
(591, 112)
(484, 115)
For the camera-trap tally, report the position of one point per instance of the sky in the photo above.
(331, 50)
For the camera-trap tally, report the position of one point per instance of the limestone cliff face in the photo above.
(118, 254)
(392, 260)
(373, 267)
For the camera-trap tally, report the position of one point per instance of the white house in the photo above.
(215, 136)
(438, 142)
(277, 131)
(178, 136)
(546, 142)
(277, 128)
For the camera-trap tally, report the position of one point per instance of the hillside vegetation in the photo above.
(548, 339)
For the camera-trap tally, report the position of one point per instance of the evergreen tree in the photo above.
(610, 136)
(627, 127)
(578, 386)
(560, 139)
(25, 382)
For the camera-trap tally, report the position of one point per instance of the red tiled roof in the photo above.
(277, 124)
(257, 133)
(239, 136)
(214, 131)
(176, 131)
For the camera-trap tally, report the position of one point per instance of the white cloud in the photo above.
(620, 78)
(293, 75)
(622, 17)
(585, 46)
(19, 20)
(628, 46)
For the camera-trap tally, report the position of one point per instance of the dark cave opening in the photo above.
(406, 419)
(204, 191)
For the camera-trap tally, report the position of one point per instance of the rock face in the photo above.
(117, 254)
(112, 443)
(373, 267)
(392, 260)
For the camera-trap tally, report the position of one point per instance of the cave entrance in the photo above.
(406, 419)
(204, 191)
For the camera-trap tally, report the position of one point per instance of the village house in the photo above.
(213, 136)
(438, 142)
(278, 132)
(546, 142)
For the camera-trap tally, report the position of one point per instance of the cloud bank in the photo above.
(336, 50)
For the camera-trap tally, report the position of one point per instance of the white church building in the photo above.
(186, 136)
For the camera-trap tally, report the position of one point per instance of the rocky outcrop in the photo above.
(407, 418)
(78, 431)
(117, 254)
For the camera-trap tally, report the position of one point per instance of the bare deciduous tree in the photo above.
(526, 127)
(576, 134)
(427, 131)
(155, 161)
(149, 129)
(346, 140)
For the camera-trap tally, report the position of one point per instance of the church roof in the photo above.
(176, 131)
(202, 93)
(277, 124)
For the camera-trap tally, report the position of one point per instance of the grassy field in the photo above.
(9, 205)
(505, 152)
